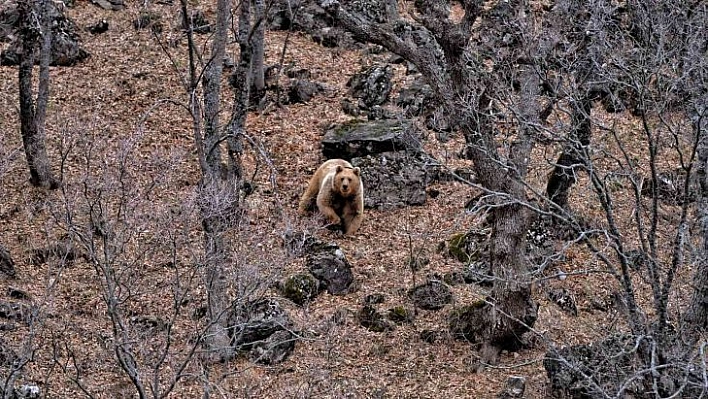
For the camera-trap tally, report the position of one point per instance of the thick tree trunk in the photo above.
(32, 116)
(257, 69)
(696, 316)
(564, 173)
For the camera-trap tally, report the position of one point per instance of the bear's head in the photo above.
(346, 181)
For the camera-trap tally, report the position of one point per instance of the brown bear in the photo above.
(337, 190)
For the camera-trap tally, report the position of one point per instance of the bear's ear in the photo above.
(356, 171)
(339, 168)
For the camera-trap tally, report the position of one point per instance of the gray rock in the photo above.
(299, 243)
(478, 272)
(332, 269)
(605, 367)
(7, 266)
(372, 85)
(302, 91)
(416, 98)
(27, 391)
(7, 354)
(113, 5)
(16, 311)
(300, 288)
(65, 50)
(374, 321)
(360, 138)
(670, 187)
(514, 387)
(467, 322)
(308, 16)
(432, 295)
(393, 179)
(255, 321)
(564, 299)
(274, 349)
(401, 314)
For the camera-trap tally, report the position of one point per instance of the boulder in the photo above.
(65, 50)
(325, 261)
(113, 5)
(564, 299)
(393, 179)
(514, 387)
(332, 269)
(255, 321)
(670, 187)
(401, 314)
(359, 138)
(372, 85)
(415, 99)
(302, 91)
(432, 295)
(7, 266)
(300, 288)
(468, 322)
(274, 349)
(370, 318)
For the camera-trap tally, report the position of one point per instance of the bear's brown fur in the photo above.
(337, 190)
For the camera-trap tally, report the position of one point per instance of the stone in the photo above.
(274, 349)
(393, 179)
(431, 295)
(467, 322)
(302, 91)
(564, 299)
(359, 138)
(514, 387)
(65, 50)
(401, 314)
(372, 85)
(7, 265)
(332, 269)
(255, 321)
(300, 288)
(373, 320)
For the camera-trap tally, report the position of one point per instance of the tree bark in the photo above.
(572, 158)
(257, 68)
(33, 115)
(219, 195)
(695, 318)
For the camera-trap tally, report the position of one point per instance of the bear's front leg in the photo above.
(353, 216)
(323, 204)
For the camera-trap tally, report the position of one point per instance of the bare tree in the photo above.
(220, 189)
(35, 28)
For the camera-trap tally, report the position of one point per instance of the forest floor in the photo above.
(110, 109)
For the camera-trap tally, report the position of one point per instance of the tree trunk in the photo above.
(696, 316)
(564, 173)
(32, 116)
(219, 196)
(257, 68)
